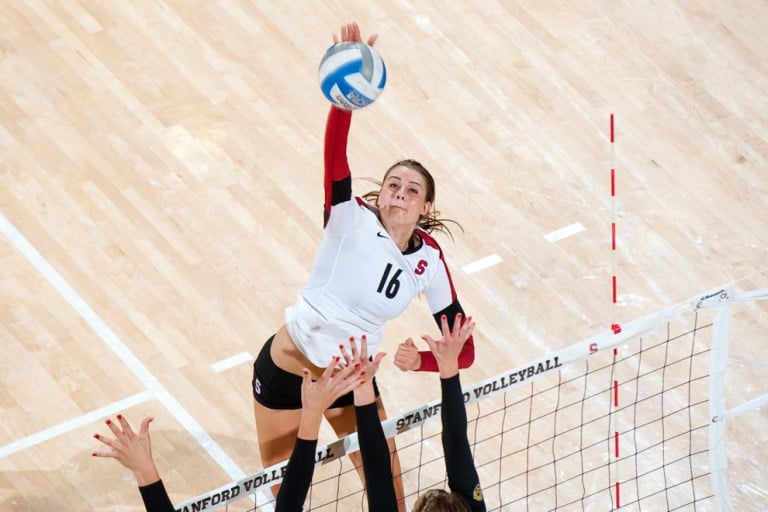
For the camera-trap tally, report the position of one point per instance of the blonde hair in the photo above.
(439, 500)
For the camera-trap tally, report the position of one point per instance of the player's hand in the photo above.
(351, 32)
(407, 357)
(319, 394)
(132, 450)
(358, 358)
(448, 348)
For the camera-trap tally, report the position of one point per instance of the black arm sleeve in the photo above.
(340, 191)
(156, 498)
(377, 465)
(462, 475)
(298, 476)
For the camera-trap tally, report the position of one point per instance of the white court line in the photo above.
(559, 234)
(120, 349)
(68, 426)
(482, 264)
(226, 364)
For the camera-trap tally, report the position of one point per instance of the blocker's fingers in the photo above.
(347, 357)
(349, 384)
(457, 324)
(378, 357)
(430, 342)
(306, 378)
(330, 368)
(144, 427)
(104, 440)
(111, 454)
(353, 347)
(337, 380)
(127, 430)
(350, 370)
(113, 427)
(372, 39)
(444, 328)
(469, 325)
(363, 347)
(468, 328)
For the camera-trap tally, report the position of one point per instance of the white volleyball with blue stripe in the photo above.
(352, 75)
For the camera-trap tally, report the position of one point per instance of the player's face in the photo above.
(402, 199)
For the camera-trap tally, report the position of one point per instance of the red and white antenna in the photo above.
(615, 327)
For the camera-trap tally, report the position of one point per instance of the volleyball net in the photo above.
(634, 419)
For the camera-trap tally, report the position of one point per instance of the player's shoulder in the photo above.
(352, 209)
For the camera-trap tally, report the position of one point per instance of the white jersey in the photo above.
(359, 280)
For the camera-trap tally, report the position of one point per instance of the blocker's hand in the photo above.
(321, 393)
(448, 348)
(131, 449)
(365, 394)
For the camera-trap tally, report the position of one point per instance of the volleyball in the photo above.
(352, 75)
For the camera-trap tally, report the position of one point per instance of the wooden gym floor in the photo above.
(160, 203)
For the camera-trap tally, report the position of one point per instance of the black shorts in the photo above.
(276, 388)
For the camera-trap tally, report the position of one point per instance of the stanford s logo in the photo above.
(421, 267)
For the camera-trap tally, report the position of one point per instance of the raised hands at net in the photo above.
(448, 348)
(131, 449)
(317, 396)
(364, 394)
(134, 451)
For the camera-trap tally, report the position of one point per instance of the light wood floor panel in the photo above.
(165, 158)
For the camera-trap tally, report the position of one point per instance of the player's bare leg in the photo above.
(277, 431)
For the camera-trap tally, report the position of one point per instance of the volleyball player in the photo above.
(375, 256)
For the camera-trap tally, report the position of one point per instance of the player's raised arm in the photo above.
(337, 181)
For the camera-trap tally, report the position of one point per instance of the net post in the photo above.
(718, 458)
